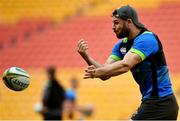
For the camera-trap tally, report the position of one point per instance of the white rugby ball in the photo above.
(16, 78)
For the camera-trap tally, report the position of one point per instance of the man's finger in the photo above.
(87, 77)
(91, 67)
(82, 46)
(79, 42)
(90, 71)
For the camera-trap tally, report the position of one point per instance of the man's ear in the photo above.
(129, 21)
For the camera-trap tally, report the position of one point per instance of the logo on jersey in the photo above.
(123, 50)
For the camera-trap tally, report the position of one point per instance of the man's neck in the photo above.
(134, 32)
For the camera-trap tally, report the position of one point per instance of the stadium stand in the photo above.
(41, 42)
(12, 34)
(57, 45)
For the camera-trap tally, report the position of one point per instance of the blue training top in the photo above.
(152, 73)
(71, 95)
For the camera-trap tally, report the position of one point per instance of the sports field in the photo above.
(114, 99)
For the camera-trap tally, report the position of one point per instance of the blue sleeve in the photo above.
(70, 94)
(145, 45)
(116, 55)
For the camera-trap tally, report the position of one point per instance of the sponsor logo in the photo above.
(123, 50)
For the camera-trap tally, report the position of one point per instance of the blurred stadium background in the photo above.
(35, 34)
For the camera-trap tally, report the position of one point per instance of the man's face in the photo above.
(120, 27)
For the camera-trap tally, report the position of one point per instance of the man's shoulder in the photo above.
(146, 34)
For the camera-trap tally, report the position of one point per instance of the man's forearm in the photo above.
(91, 61)
(112, 69)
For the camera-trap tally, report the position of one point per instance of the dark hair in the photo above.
(51, 70)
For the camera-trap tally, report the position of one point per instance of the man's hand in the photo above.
(93, 72)
(90, 72)
(82, 47)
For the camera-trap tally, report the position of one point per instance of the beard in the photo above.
(124, 33)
